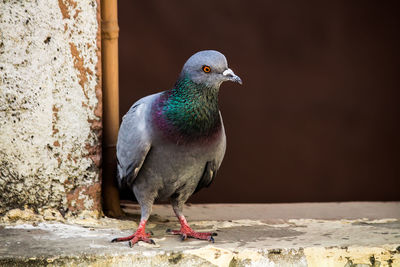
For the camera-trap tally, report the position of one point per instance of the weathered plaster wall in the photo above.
(50, 105)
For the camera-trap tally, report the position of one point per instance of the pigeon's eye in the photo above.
(206, 69)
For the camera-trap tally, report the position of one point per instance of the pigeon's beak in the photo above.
(231, 76)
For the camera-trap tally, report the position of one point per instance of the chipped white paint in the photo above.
(336, 257)
(219, 257)
(64, 231)
(47, 98)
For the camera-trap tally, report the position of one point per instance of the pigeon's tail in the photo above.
(121, 178)
(125, 190)
(125, 176)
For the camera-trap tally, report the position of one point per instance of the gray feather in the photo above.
(134, 142)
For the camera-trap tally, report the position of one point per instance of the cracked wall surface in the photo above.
(50, 105)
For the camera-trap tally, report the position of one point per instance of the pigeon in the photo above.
(171, 144)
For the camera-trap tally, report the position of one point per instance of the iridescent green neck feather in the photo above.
(190, 110)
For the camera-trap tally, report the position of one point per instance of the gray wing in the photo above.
(211, 168)
(134, 141)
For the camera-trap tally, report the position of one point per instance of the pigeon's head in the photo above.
(210, 68)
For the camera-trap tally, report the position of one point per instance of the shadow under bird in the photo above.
(171, 144)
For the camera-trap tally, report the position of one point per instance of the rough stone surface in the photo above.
(50, 105)
(314, 240)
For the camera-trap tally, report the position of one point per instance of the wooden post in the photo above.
(109, 44)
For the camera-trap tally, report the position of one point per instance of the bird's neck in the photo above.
(189, 111)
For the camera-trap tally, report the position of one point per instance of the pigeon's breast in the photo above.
(170, 168)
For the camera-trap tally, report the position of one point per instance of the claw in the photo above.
(168, 231)
(114, 240)
(183, 237)
(214, 234)
(211, 239)
(152, 242)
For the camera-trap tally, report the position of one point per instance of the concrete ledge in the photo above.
(248, 235)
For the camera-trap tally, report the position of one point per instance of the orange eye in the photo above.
(206, 69)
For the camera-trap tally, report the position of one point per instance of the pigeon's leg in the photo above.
(140, 234)
(185, 230)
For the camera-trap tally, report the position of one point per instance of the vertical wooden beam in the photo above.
(109, 43)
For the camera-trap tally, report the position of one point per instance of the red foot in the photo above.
(139, 235)
(186, 232)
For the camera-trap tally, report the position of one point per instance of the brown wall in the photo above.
(317, 118)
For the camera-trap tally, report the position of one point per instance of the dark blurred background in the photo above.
(317, 118)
